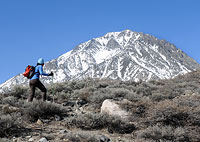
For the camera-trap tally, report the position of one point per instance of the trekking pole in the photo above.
(52, 89)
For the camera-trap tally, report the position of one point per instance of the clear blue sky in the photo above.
(30, 29)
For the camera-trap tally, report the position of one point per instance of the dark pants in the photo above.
(36, 83)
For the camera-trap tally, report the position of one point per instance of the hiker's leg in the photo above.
(32, 90)
(43, 89)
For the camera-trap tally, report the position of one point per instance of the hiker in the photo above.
(35, 82)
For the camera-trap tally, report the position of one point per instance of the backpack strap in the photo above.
(35, 68)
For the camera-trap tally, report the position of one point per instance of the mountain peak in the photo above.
(124, 55)
(121, 33)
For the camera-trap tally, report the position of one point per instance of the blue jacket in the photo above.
(38, 72)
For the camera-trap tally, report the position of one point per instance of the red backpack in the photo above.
(29, 71)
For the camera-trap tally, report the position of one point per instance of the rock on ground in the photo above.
(112, 107)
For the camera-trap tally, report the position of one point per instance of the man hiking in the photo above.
(35, 82)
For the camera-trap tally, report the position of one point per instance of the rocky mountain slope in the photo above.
(125, 55)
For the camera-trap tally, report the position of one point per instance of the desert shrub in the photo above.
(59, 91)
(36, 109)
(80, 84)
(157, 82)
(88, 121)
(99, 96)
(192, 85)
(11, 100)
(121, 92)
(193, 133)
(57, 87)
(183, 111)
(131, 83)
(116, 84)
(189, 100)
(144, 90)
(93, 95)
(95, 121)
(192, 76)
(84, 93)
(116, 125)
(132, 96)
(103, 84)
(169, 90)
(174, 88)
(165, 133)
(168, 113)
(19, 92)
(159, 97)
(61, 96)
(3, 96)
(153, 87)
(8, 125)
(137, 109)
(194, 117)
(81, 137)
(75, 85)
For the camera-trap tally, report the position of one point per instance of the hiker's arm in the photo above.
(41, 72)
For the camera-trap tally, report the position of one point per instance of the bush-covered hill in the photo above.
(162, 110)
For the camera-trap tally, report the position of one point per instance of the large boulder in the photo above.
(112, 107)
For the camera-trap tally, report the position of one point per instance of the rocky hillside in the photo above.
(94, 110)
(125, 55)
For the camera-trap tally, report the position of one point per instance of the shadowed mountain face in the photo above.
(125, 55)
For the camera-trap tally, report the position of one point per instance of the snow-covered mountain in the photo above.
(125, 55)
